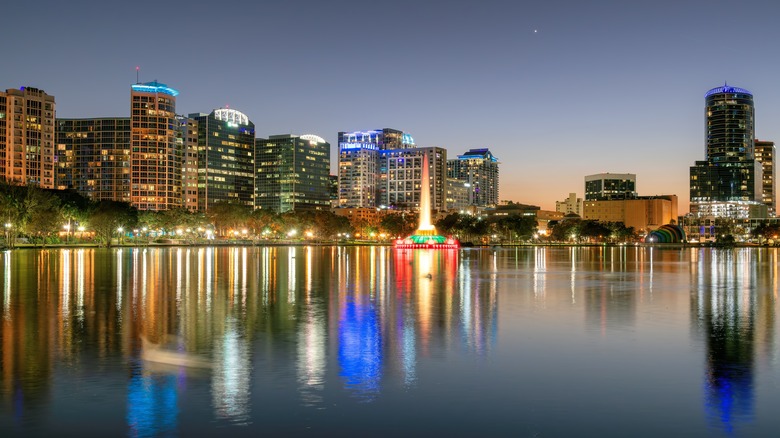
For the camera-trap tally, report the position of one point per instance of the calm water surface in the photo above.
(314, 340)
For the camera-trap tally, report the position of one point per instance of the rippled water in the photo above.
(373, 341)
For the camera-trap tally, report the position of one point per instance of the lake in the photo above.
(531, 341)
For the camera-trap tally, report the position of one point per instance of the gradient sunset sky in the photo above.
(556, 89)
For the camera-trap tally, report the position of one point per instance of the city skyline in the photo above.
(557, 92)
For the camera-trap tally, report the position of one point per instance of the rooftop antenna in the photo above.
(137, 69)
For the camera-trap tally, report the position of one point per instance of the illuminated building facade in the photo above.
(292, 173)
(27, 137)
(608, 186)
(155, 159)
(765, 154)
(187, 142)
(401, 171)
(730, 173)
(479, 169)
(360, 173)
(93, 157)
(225, 158)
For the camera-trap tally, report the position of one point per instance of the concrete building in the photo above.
(401, 170)
(27, 137)
(292, 173)
(607, 186)
(155, 156)
(572, 204)
(93, 157)
(479, 169)
(644, 213)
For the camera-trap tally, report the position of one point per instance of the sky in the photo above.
(556, 89)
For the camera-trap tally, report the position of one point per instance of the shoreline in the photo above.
(246, 243)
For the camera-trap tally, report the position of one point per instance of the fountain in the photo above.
(426, 236)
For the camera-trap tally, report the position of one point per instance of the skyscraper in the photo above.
(730, 174)
(292, 173)
(225, 158)
(155, 159)
(765, 154)
(479, 169)
(27, 137)
(360, 174)
(93, 157)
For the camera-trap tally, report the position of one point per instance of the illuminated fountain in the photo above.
(425, 236)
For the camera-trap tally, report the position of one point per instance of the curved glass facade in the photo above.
(729, 115)
(730, 172)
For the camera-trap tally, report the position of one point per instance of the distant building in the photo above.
(187, 142)
(609, 186)
(479, 169)
(360, 175)
(292, 173)
(544, 217)
(509, 208)
(225, 162)
(27, 137)
(644, 213)
(360, 216)
(93, 157)
(457, 195)
(572, 204)
(155, 159)
(401, 170)
(766, 154)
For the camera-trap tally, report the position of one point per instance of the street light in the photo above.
(120, 230)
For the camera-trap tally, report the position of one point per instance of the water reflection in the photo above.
(733, 309)
(356, 322)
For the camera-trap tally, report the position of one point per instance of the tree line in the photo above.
(43, 216)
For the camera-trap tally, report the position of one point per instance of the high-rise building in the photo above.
(292, 173)
(479, 169)
(27, 137)
(187, 142)
(572, 204)
(360, 174)
(93, 157)
(401, 173)
(765, 154)
(225, 158)
(610, 186)
(155, 159)
(730, 172)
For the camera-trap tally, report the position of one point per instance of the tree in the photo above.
(227, 216)
(108, 216)
(398, 224)
(516, 227)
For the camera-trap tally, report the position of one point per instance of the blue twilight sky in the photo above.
(556, 89)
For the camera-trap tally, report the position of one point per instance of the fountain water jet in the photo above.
(426, 236)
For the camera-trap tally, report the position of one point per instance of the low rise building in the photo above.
(644, 214)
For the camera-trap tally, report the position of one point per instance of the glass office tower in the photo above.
(292, 173)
